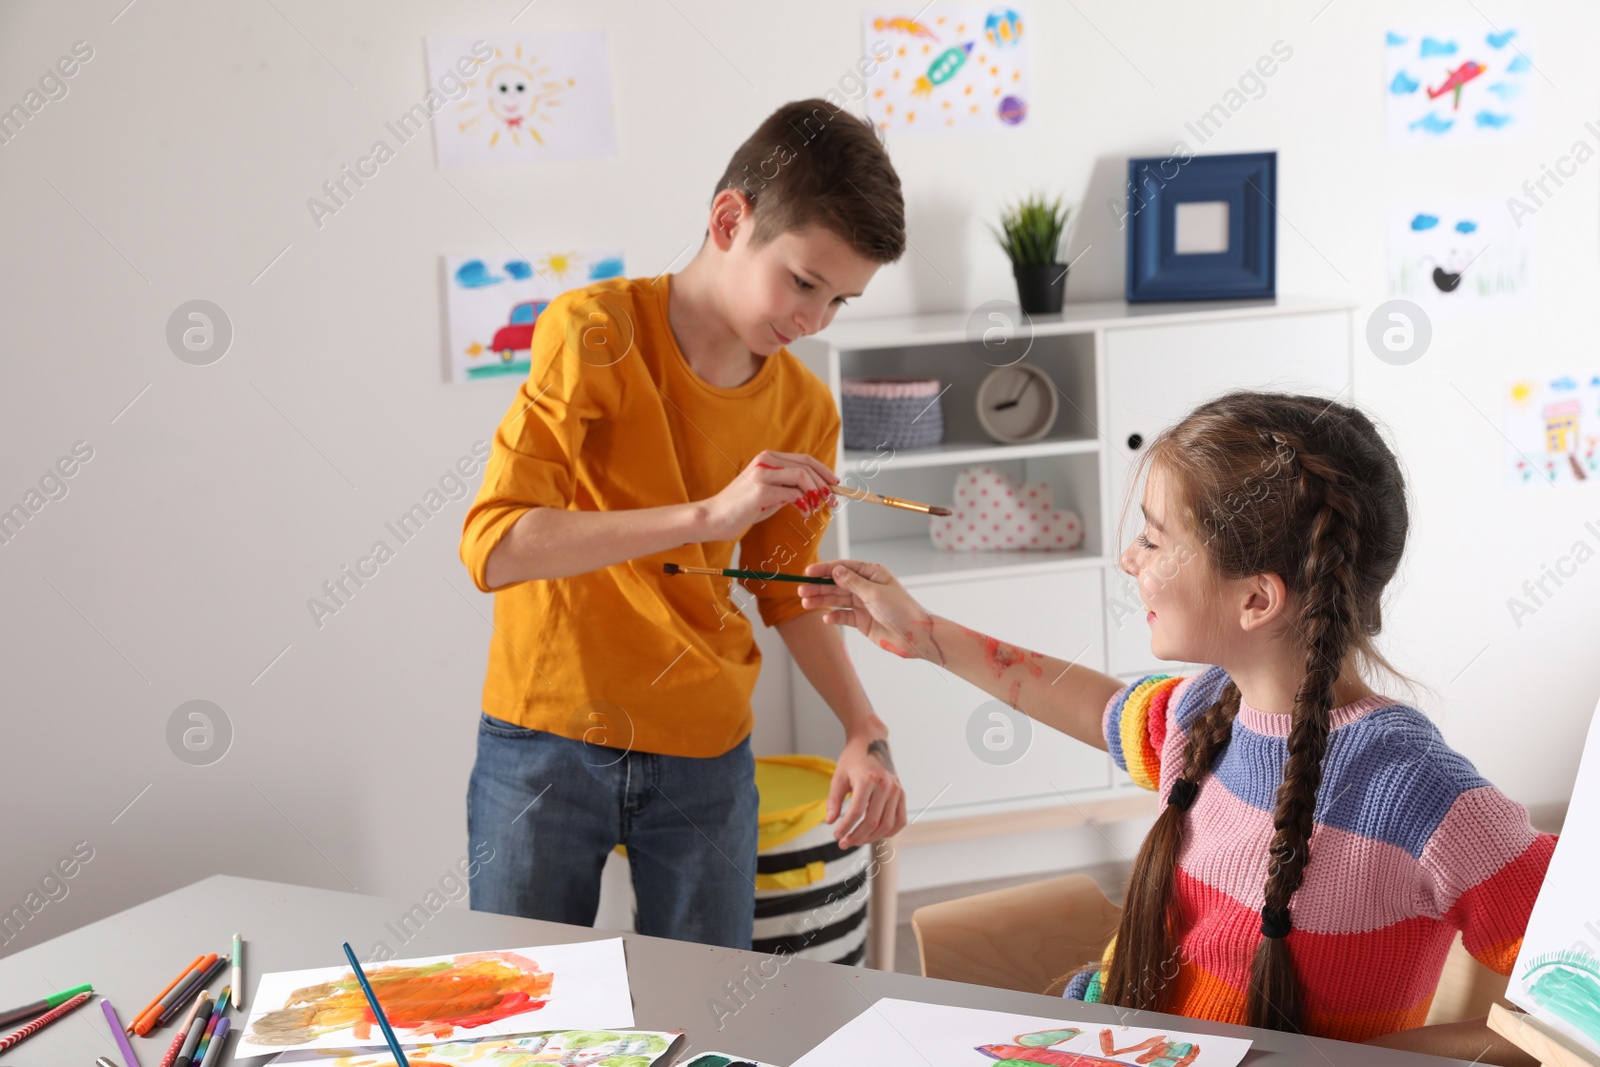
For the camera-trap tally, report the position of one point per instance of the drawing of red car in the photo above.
(517, 335)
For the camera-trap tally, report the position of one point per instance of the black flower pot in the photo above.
(1041, 288)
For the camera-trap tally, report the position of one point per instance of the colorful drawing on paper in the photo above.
(1556, 977)
(588, 1048)
(536, 98)
(1567, 984)
(493, 304)
(1042, 1047)
(1553, 430)
(1460, 258)
(1456, 84)
(444, 998)
(900, 1031)
(945, 68)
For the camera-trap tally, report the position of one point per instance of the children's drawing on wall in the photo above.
(902, 1031)
(437, 999)
(493, 303)
(1456, 84)
(572, 1048)
(955, 67)
(1553, 427)
(1557, 974)
(540, 97)
(1460, 258)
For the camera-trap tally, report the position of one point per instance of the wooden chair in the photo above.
(1026, 937)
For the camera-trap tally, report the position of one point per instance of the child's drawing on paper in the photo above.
(572, 1048)
(1459, 84)
(439, 999)
(1567, 984)
(432, 1000)
(495, 302)
(1554, 429)
(1460, 257)
(540, 97)
(947, 68)
(938, 1035)
(1041, 1047)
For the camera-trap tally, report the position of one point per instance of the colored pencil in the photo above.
(199, 961)
(735, 572)
(217, 964)
(377, 1009)
(197, 1030)
(46, 1019)
(867, 496)
(116, 1032)
(39, 1007)
(238, 972)
(214, 1050)
(183, 1033)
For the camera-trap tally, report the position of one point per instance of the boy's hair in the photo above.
(1304, 488)
(810, 163)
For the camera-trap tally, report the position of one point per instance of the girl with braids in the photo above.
(1319, 845)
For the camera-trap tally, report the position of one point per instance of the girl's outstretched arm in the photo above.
(1064, 695)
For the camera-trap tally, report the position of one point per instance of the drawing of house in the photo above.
(1561, 426)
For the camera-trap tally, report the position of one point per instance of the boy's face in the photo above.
(789, 287)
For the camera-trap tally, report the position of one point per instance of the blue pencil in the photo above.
(377, 1009)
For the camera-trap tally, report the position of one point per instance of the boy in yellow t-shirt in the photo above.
(663, 420)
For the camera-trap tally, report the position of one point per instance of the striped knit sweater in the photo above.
(1410, 845)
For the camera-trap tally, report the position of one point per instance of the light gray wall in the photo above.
(219, 498)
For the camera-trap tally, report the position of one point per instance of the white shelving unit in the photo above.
(1123, 372)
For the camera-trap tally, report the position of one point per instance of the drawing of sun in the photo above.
(559, 264)
(515, 96)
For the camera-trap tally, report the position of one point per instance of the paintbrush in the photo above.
(867, 496)
(734, 572)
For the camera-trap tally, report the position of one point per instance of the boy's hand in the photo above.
(868, 597)
(770, 481)
(877, 807)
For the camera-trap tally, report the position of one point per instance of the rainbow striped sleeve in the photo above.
(1488, 863)
(1135, 726)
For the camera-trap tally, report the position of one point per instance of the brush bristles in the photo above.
(940, 511)
(671, 568)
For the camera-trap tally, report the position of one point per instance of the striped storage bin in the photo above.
(811, 895)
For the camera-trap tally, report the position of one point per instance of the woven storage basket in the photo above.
(811, 895)
(897, 412)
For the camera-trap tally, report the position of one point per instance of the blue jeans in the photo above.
(553, 808)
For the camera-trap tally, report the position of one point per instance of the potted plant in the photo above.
(1031, 233)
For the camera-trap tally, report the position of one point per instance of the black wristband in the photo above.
(1183, 793)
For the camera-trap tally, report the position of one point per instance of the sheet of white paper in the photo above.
(536, 98)
(1460, 257)
(946, 67)
(581, 986)
(493, 302)
(1552, 436)
(1457, 84)
(1556, 977)
(936, 1035)
(592, 1048)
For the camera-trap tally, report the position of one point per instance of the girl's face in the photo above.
(1188, 622)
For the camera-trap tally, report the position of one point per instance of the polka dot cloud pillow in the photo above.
(992, 512)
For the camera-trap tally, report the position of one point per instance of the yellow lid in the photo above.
(794, 796)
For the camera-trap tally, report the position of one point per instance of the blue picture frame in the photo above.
(1247, 269)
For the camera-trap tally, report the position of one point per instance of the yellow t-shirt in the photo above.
(613, 418)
